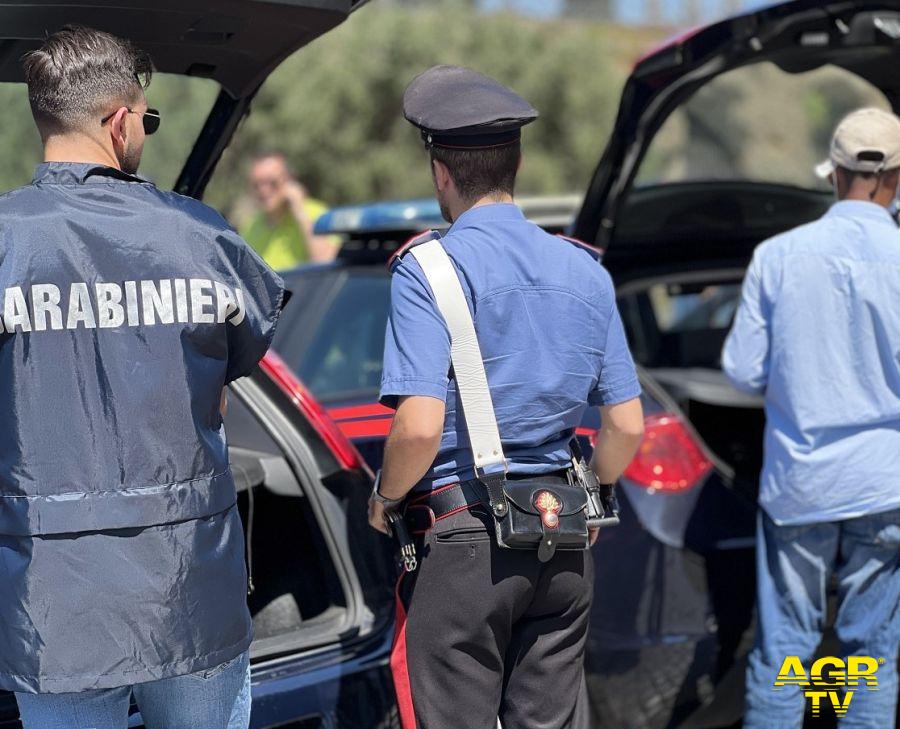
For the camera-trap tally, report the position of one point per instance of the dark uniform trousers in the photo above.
(484, 632)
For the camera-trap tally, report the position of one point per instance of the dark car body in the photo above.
(321, 602)
(673, 613)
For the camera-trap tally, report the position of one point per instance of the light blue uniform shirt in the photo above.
(818, 332)
(550, 334)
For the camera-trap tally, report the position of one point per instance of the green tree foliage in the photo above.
(334, 108)
(20, 145)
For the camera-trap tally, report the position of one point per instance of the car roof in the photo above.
(412, 215)
(424, 213)
(235, 42)
(371, 233)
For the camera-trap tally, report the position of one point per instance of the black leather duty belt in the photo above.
(422, 512)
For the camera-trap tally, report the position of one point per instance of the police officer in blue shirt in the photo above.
(486, 632)
(125, 312)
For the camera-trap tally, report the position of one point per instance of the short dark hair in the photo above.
(78, 73)
(480, 172)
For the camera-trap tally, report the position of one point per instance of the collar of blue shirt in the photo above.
(861, 209)
(492, 213)
(76, 173)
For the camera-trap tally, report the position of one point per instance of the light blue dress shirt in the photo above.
(818, 333)
(549, 330)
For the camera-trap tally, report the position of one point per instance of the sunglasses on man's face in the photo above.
(150, 118)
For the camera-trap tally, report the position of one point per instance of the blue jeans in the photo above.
(218, 698)
(794, 565)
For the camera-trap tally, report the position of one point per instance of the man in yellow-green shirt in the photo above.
(282, 231)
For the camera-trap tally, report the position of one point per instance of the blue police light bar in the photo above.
(400, 215)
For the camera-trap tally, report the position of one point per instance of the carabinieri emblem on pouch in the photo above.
(549, 505)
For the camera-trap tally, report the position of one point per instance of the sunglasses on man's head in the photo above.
(150, 118)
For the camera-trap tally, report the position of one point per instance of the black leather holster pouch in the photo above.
(542, 513)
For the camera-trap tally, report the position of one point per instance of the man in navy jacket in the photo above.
(126, 310)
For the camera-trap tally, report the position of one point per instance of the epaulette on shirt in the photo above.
(595, 252)
(417, 240)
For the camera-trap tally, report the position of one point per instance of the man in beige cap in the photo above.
(818, 334)
(865, 147)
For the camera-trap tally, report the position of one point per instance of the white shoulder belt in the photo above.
(468, 365)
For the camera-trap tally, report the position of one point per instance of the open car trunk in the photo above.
(295, 598)
(319, 577)
(677, 324)
(862, 38)
(713, 150)
(677, 247)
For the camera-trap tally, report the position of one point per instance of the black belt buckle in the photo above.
(419, 518)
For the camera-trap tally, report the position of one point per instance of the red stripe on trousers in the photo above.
(400, 668)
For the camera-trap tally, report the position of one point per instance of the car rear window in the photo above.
(332, 331)
(679, 323)
(682, 307)
(756, 123)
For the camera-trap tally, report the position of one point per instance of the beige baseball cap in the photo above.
(866, 140)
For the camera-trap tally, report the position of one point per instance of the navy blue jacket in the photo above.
(125, 311)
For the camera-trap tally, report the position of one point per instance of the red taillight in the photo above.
(347, 456)
(669, 459)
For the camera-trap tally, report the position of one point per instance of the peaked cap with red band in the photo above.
(458, 108)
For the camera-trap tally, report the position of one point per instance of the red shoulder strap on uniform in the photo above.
(596, 251)
(423, 237)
